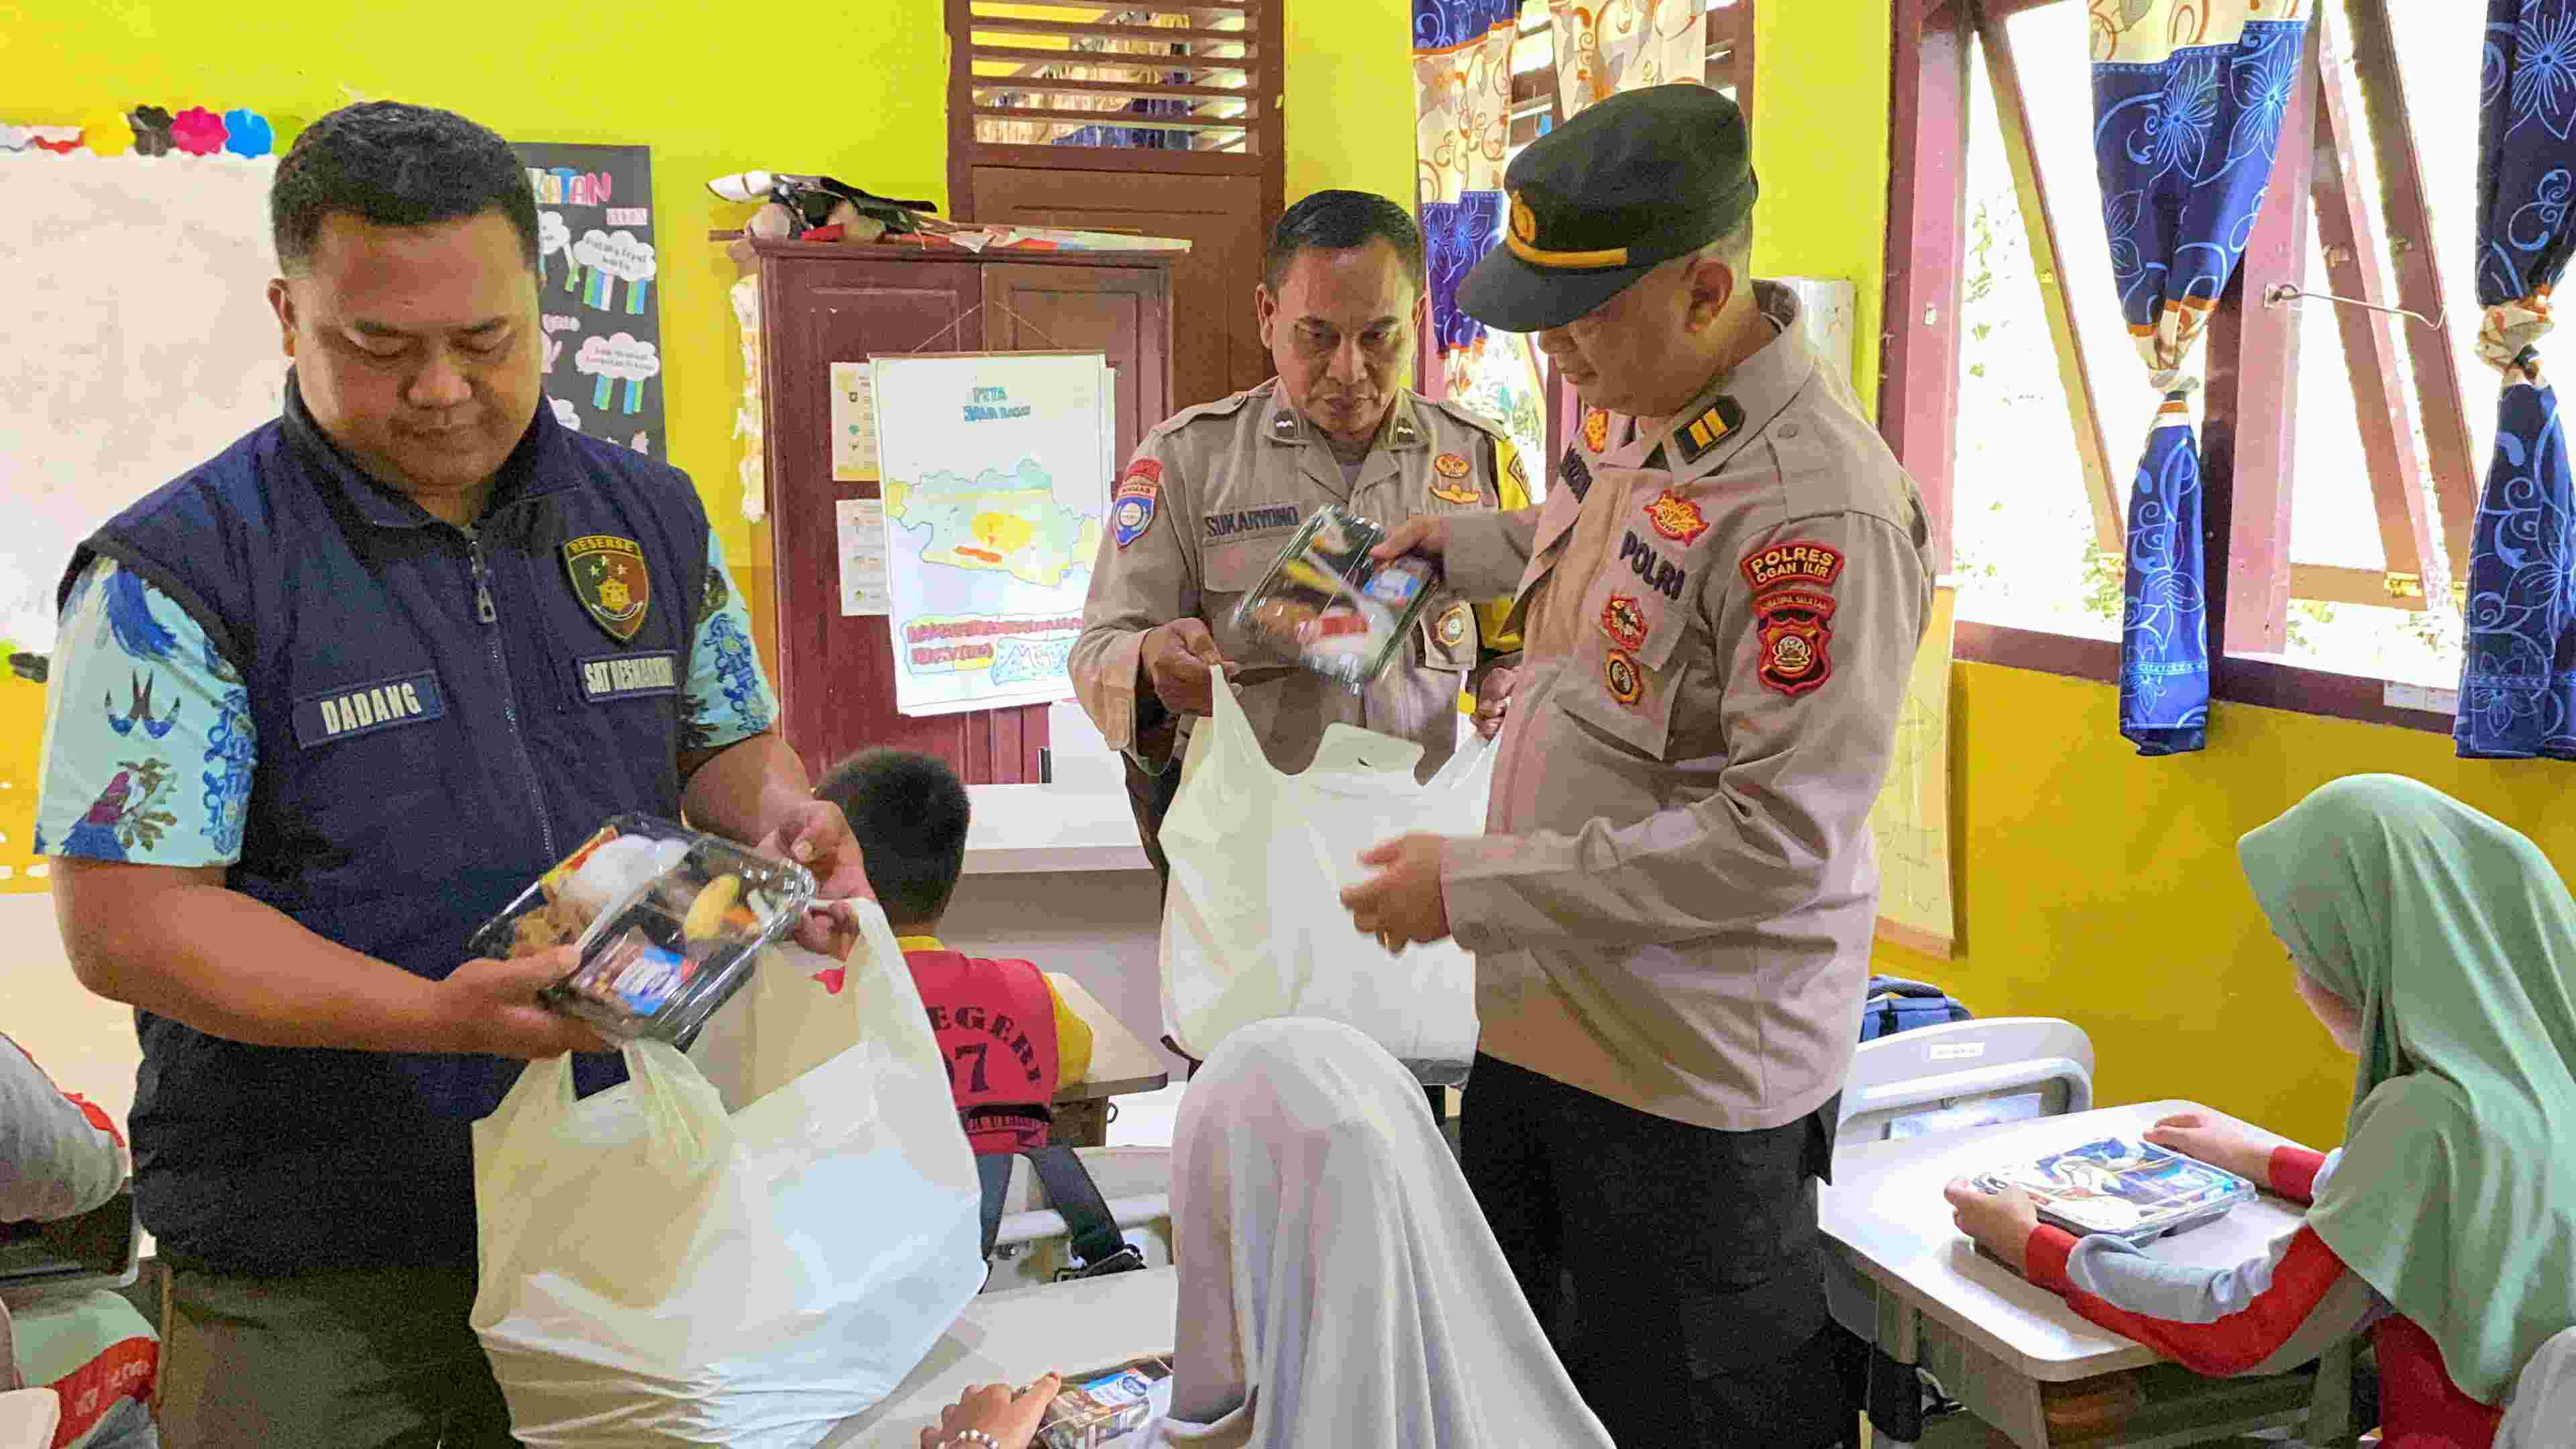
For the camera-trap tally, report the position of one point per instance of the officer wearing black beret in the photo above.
(1672, 905)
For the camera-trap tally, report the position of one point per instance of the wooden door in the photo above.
(836, 675)
(1217, 349)
(1121, 312)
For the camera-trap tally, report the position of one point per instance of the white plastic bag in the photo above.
(657, 1271)
(1254, 926)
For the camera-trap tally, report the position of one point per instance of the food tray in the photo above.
(668, 922)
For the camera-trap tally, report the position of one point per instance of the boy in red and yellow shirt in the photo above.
(1005, 1032)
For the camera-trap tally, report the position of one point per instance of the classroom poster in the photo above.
(861, 524)
(854, 423)
(597, 271)
(996, 481)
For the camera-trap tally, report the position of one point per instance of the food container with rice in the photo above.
(668, 922)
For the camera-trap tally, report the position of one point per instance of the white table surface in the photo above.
(1072, 825)
(1011, 1338)
(1885, 1210)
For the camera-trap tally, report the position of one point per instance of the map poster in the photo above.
(995, 476)
(596, 293)
(1911, 819)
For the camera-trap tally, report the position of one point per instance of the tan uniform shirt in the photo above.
(1218, 489)
(1673, 905)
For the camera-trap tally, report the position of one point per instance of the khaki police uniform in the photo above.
(1672, 905)
(1196, 521)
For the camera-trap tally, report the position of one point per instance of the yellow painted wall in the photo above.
(1820, 149)
(1349, 78)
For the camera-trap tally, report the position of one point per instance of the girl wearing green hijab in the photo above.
(2438, 947)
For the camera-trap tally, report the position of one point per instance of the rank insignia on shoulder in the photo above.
(610, 579)
(1131, 509)
(1404, 435)
(1626, 682)
(1285, 428)
(1676, 517)
(1710, 428)
(1624, 621)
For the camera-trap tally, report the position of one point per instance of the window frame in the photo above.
(2251, 351)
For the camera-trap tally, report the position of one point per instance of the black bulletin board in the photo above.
(599, 290)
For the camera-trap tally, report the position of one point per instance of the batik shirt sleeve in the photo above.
(728, 698)
(148, 741)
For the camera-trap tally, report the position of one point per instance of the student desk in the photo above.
(2008, 1349)
(1011, 1338)
(1120, 1064)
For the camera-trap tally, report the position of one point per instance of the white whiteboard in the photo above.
(135, 342)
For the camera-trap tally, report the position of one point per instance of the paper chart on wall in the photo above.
(854, 423)
(996, 479)
(861, 522)
(1911, 819)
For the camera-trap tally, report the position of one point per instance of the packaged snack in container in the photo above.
(1091, 1410)
(1328, 607)
(667, 920)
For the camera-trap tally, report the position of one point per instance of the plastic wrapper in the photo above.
(1327, 606)
(2129, 1190)
(1098, 1409)
(668, 922)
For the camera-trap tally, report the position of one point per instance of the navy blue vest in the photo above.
(428, 742)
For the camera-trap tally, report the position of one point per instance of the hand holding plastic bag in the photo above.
(1254, 928)
(657, 1270)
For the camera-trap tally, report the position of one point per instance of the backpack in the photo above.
(1896, 1004)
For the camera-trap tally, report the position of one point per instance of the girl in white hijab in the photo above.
(1338, 1286)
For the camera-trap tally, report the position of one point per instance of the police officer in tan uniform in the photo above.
(1672, 908)
(1211, 496)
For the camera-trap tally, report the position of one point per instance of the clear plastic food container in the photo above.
(668, 921)
(1327, 606)
(1096, 1409)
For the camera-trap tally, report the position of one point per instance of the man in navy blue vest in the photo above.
(321, 707)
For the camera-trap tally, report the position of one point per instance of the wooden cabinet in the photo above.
(823, 303)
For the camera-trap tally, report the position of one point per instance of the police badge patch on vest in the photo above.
(1793, 609)
(609, 577)
(1131, 509)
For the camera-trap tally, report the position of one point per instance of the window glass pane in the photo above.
(2024, 537)
(2334, 518)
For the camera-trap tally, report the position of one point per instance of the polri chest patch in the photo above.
(610, 579)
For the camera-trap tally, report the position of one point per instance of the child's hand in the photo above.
(2000, 1222)
(2222, 1142)
(1010, 1419)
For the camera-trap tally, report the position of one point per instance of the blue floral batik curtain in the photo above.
(2518, 679)
(2187, 103)
(1462, 77)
